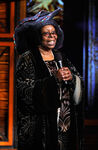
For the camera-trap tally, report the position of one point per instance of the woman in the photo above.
(46, 91)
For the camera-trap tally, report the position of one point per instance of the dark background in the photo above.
(75, 13)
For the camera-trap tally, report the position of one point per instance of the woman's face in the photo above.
(49, 37)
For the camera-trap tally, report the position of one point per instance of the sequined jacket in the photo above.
(37, 102)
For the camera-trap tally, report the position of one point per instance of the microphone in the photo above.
(58, 58)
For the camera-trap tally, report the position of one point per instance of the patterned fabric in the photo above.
(64, 118)
(51, 65)
(38, 101)
(64, 114)
(40, 17)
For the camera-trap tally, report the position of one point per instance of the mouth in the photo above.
(51, 42)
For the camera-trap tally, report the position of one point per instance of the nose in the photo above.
(50, 34)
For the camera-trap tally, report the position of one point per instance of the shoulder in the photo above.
(25, 59)
(26, 56)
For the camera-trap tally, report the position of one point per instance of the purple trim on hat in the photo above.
(29, 19)
(41, 19)
(46, 18)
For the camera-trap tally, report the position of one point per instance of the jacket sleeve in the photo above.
(32, 93)
(77, 83)
(79, 103)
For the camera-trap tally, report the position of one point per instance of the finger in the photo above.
(67, 77)
(67, 73)
(66, 68)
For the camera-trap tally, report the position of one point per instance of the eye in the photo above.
(45, 34)
(53, 33)
(49, 33)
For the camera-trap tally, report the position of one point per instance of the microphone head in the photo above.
(58, 56)
(58, 59)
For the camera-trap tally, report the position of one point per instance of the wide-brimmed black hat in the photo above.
(27, 31)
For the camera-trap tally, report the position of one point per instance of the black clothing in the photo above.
(38, 101)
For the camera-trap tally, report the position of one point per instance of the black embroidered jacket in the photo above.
(37, 102)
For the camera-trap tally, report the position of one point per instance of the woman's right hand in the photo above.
(64, 74)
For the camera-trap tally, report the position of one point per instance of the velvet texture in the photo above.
(37, 103)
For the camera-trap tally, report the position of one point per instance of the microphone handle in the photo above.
(60, 65)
